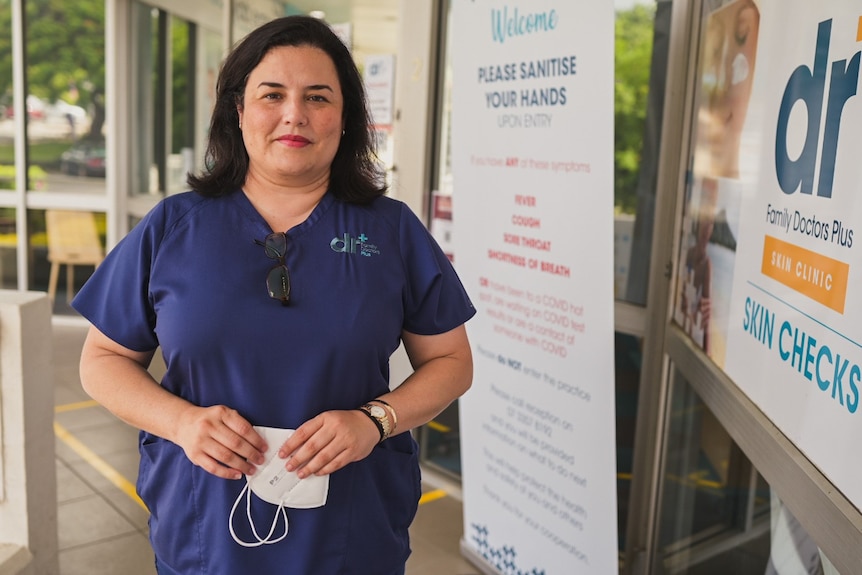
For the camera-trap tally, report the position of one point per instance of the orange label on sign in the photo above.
(819, 277)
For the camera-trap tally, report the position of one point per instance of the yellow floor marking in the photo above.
(98, 463)
(432, 496)
(124, 484)
(74, 406)
(439, 427)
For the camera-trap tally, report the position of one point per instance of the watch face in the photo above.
(378, 411)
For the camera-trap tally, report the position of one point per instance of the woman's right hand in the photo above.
(217, 439)
(220, 441)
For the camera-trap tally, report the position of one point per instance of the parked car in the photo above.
(35, 108)
(62, 109)
(84, 158)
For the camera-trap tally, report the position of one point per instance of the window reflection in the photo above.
(181, 156)
(175, 65)
(632, 56)
(718, 513)
(208, 58)
(8, 238)
(640, 62)
(8, 251)
(627, 374)
(65, 105)
(715, 507)
(7, 124)
(65, 247)
(148, 30)
(440, 442)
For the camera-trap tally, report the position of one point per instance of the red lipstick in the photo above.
(294, 141)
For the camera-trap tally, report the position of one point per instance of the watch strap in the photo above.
(377, 424)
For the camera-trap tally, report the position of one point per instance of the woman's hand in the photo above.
(220, 441)
(328, 442)
(443, 366)
(217, 439)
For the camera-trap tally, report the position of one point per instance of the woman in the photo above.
(277, 291)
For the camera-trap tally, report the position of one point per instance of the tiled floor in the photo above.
(103, 528)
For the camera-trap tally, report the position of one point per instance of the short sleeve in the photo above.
(435, 300)
(115, 299)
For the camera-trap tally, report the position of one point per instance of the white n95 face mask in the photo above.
(278, 486)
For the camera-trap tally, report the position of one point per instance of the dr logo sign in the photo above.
(808, 86)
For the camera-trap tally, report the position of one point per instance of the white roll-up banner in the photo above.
(532, 208)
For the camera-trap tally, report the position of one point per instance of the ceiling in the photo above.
(374, 23)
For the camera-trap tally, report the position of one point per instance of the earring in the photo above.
(343, 132)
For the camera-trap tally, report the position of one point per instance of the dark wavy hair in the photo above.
(355, 174)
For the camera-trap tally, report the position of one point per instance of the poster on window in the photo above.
(771, 245)
(532, 164)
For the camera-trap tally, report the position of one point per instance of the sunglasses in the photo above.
(277, 278)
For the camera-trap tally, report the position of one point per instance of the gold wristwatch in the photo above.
(380, 417)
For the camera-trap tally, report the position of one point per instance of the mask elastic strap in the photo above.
(260, 541)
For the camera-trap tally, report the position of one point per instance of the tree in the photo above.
(5, 51)
(65, 43)
(632, 54)
(180, 83)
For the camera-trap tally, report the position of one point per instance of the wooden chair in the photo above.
(72, 240)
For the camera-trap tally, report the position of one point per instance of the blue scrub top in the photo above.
(191, 279)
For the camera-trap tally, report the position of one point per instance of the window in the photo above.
(65, 102)
(718, 514)
(8, 237)
(171, 98)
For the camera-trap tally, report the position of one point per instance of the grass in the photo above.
(41, 153)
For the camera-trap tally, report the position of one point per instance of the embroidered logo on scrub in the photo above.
(348, 244)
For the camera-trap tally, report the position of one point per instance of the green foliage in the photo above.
(42, 153)
(180, 84)
(66, 49)
(36, 175)
(65, 44)
(632, 55)
(5, 48)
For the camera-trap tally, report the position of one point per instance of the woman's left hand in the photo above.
(328, 442)
(443, 365)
